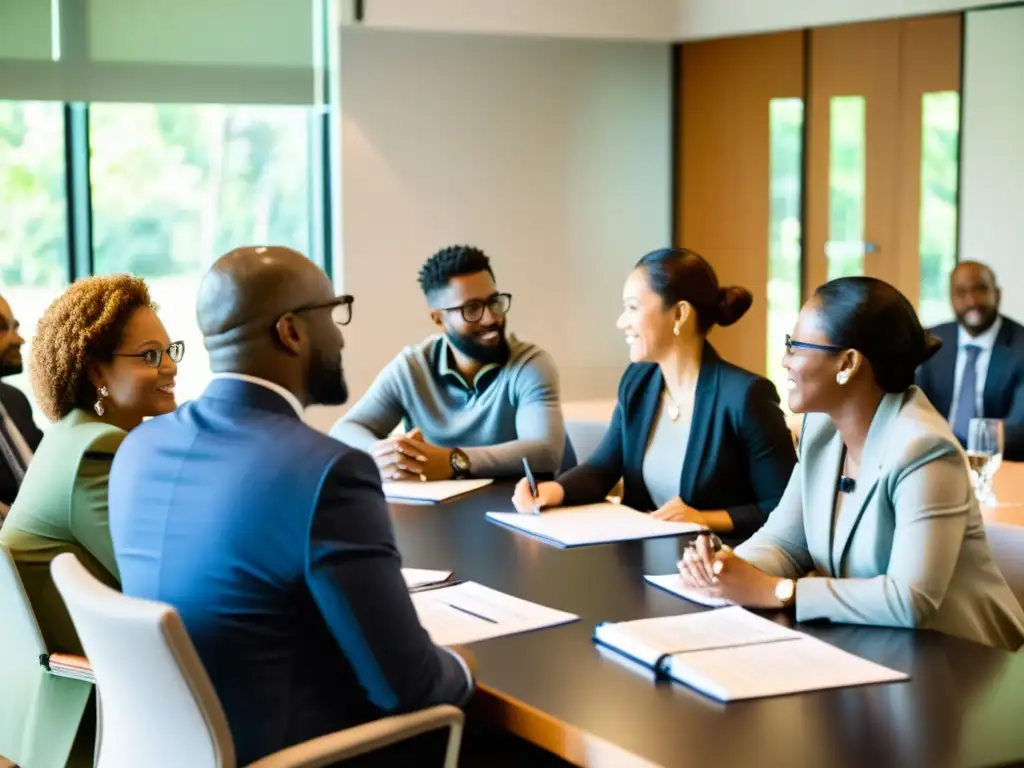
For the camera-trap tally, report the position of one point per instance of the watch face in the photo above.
(784, 590)
(460, 461)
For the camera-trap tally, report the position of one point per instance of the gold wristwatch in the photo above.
(785, 592)
(460, 465)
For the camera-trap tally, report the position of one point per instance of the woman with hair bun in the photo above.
(694, 438)
(880, 506)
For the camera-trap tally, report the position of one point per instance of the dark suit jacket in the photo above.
(739, 457)
(20, 411)
(1003, 397)
(274, 543)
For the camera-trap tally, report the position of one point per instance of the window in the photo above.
(33, 213)
(786, 125)
(940, 134)
(846, 187)
(176, 186)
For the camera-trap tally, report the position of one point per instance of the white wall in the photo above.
(992, 163)
(602, 19)
(553, 156)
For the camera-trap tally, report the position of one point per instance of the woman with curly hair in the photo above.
(101, 363)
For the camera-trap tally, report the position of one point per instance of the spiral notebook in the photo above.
(732, 654)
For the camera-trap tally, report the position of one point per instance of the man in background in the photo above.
(476, 401)
(979, 372)
(19, 435)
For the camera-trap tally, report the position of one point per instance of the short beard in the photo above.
(7, 369)
(481, 353)
(326, 380)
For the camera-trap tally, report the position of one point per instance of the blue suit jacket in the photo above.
(274, 543)
(739, 457)
(1003, 397)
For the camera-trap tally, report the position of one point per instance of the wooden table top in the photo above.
(1008, 485)
(962, 706)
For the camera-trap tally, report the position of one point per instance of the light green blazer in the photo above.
(61, 507)
(908, 547)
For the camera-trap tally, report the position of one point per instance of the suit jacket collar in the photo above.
(1000, 370)
(871, 463)
(250, 394)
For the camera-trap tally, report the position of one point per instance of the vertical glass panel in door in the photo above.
(846, 245)
(174, 186)
(785, 182)
(33, 216)
(940, 133)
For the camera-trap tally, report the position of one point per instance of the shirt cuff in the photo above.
(470, 682)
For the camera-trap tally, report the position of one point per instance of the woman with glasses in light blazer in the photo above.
(101, 363)
(880, 506)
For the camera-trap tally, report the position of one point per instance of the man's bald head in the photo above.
(257, 282)
(265, 311)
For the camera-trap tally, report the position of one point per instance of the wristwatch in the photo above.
(460, 464)
(785, 592)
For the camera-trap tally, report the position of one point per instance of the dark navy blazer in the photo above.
(1003, 397)
(274, 543)
(739, 456)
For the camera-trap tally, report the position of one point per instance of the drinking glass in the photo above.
(984, 454)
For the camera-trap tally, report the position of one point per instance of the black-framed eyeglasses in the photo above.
(153, 357)
(792, 344)
(340, 306)
(473, 310)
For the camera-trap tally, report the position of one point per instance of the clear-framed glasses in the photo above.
(985, 441)
(153, 357)
(472, 311)
(792, 344)
(340, 306)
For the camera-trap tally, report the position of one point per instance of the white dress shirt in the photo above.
(986, 341)
(293, 401)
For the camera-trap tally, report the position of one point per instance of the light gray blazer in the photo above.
(909, 549)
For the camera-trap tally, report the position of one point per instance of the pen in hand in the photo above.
(533, 486)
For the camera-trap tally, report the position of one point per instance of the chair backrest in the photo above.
(585, 437)
(21, 645)
(1007, 544)
(158, 705)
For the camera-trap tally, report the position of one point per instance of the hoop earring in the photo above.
(98, 407)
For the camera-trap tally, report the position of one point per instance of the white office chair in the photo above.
(158, 707)
(42, 697)
(585, 436)
(1007, 543)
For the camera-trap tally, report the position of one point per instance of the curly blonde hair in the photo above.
(80, 328)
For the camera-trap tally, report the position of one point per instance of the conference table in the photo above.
(963, 704)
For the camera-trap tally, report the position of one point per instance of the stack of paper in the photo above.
(420, 578)
(673, 582)
(470, 612)
(732, 654)
(414, 492)
(593, 524)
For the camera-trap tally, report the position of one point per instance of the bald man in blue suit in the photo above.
(271, 539)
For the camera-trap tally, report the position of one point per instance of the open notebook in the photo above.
(415, 492)
(591, 524)
(673, 582)
(733, 654)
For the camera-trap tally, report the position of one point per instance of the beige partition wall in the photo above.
(727, 89)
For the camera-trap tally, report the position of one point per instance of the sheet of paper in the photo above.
(420, 577)
(412, 491)
(776, 669)
(593, 524)
(470, 612)
(649, 639)
(672, 582)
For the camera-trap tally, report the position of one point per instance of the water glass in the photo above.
(984, 454)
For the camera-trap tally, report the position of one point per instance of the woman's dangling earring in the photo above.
(675, 329)
(100, 394)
